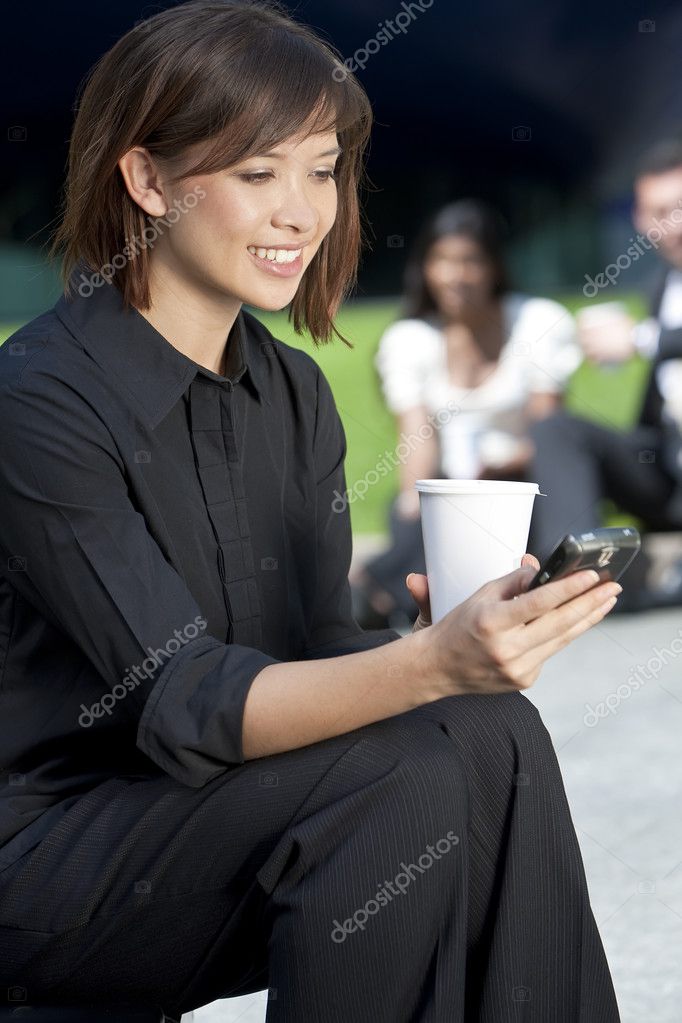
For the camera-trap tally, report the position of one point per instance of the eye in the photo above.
(256, 177)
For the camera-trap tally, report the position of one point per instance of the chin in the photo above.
(269, 303)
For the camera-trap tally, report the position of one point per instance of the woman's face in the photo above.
(282, 203)
(459, 275)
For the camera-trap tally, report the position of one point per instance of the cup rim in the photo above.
(474, 487)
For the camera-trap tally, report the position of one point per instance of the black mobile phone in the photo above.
(607, 551)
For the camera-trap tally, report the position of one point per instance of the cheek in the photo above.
(327, 206)
(223, 218)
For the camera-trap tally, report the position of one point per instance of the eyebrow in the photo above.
(328, 152)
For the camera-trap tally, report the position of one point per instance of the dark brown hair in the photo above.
(241, 74)
(665, 155)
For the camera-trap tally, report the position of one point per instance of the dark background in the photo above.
(540, 107)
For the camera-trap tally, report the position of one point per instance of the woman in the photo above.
(475, 361)
(213, 769)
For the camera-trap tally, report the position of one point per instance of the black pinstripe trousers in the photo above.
(420, 869)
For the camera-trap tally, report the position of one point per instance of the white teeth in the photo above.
(275, 255)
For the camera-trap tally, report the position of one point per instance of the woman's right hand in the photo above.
(493, 643)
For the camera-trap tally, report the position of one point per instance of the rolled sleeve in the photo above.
(333, 630)
(403, 360)
(79, 551)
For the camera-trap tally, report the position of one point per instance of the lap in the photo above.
(143, 877)
(133, 838)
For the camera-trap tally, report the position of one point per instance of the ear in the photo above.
(143, 181)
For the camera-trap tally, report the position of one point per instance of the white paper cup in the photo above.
(473, 531)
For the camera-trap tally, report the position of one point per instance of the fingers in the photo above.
(508, 586)
(528, 665)
(561, 621)
(535, 603)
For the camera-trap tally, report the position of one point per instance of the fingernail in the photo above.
(407, 581)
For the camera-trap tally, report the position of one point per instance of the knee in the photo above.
(428, 774)
(558, 427)
(492, 731)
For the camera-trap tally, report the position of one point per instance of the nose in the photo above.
(296, 209)
(453, 275)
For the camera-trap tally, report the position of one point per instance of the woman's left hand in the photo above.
(418, 585)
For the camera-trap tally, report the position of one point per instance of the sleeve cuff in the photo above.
(191, 724)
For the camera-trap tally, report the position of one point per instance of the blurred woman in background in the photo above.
(475, 362)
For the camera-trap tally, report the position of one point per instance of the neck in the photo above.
(484, 327)
(195, 320)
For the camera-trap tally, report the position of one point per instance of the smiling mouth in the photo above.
(280, 263)
(276, 255)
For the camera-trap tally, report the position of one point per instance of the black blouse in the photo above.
(165, 533)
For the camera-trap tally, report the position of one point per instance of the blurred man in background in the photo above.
(640, 469)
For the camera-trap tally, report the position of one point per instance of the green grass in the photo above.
(610, 397)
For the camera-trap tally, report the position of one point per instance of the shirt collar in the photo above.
(126, 345)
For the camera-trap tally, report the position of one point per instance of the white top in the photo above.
(670, 310)
(480, 425)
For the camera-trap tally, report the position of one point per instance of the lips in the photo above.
(274, 267)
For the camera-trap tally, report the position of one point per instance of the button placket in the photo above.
(220, 474)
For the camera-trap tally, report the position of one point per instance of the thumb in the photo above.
(418, 585)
